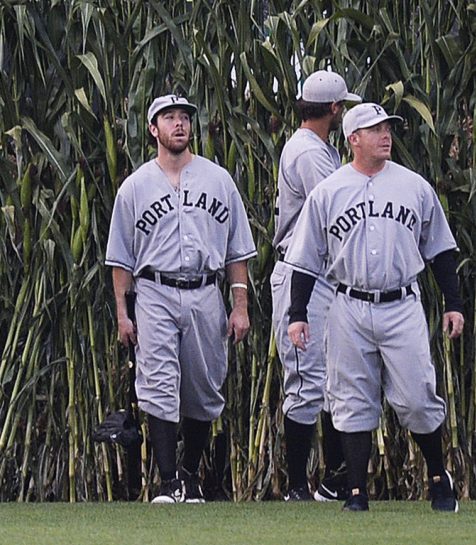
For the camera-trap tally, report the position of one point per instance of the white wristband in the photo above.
(239, 285)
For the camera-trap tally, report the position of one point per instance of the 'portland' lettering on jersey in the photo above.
(164, 205)
(354, 214)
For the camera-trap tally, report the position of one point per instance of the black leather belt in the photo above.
(378, 297)
(181, 283)
(280, 257)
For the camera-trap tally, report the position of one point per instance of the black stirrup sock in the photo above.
(430, 446)
(332, 445)
(298, 446)
(163, 437)
(195, 437)
(357, 448)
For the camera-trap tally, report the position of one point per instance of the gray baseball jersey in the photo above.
(200, 229)
(305, 161)
(181, 334)
(375, 233)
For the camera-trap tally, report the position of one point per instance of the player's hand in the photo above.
(453, 323)
(238, 323)
(127, 331)
(299, 334)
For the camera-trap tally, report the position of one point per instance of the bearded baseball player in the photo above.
(370, 228)
(178, 226)
(306, 160)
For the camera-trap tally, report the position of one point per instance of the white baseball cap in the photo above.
(325, 86)
(169, 101)
(364, 116)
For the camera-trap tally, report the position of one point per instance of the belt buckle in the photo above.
(374, 297)
(182, 283)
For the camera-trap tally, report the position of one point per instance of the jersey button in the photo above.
(372, 228)
(187, 258)
(373, 252)
(371, 197)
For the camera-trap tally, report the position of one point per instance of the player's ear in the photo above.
(353, 139)
(154, 131)
(336, 107)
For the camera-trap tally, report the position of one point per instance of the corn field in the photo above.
(76, 79)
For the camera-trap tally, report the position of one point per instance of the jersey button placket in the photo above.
(185, 238)
(372, 235)
(183, 224)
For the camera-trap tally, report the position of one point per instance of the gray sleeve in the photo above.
(308, 247)
(436, 236)
(240, 239)
(120, 245)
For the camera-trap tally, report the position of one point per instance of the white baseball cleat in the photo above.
(170, 491)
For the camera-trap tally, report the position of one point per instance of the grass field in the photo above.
(267, 523)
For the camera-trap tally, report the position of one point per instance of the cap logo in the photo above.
(378, 109)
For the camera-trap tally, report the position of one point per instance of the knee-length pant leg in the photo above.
(374, 346)
(304, 371)
(181, 351)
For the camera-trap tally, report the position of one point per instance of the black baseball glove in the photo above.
(119, 427)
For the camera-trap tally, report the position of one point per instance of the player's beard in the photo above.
(173, 146)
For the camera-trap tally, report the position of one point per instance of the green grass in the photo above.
(273, 523)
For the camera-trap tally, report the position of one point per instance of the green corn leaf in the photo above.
(91, 63)
(422, 109)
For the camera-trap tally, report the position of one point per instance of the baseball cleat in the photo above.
(333, 488)
(356, 502)
(170, 491)
(299, 493)
(443, 494)
(192, 488)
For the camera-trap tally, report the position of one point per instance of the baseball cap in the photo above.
(364, 116)
(325, 86)
(169, 101)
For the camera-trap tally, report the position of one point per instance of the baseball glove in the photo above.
(119, 427)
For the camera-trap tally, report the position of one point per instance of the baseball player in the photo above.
(377, 224)
(178, 226)
(306, 160)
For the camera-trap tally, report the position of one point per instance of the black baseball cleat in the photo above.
(356, 501)
(192, 488)
(333, 488)
(170, 491)
(299, 493)
(442, 493)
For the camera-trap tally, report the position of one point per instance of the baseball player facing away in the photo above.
(179, 225)
(377, 224)
(306, 160)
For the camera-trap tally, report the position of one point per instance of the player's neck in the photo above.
(173, 163)
(368, 167)
(321, 127)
